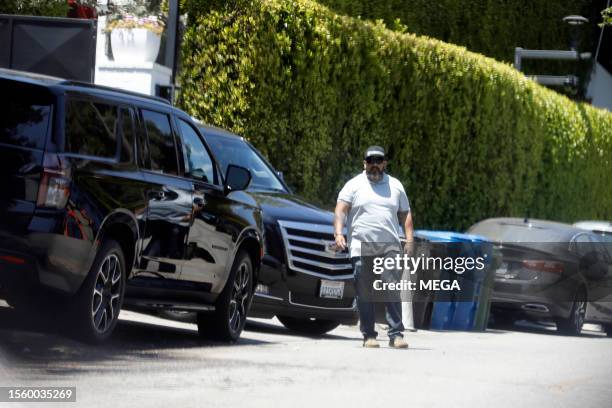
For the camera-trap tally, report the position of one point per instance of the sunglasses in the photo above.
(375, 160)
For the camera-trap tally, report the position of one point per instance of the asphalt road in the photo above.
(151, 362)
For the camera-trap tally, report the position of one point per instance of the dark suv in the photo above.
(303, 280)
(111, 198)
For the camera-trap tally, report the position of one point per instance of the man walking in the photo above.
(375, 204)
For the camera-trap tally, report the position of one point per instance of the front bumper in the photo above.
(296, 294)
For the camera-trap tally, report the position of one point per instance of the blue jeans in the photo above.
(367, 309)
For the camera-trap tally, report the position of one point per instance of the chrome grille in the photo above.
(308, 249)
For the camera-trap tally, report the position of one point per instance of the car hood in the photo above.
(290, 207)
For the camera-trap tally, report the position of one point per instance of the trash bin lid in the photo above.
(449, 236)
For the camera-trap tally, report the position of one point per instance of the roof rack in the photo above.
(108, 88)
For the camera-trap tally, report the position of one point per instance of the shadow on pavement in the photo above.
(37, 342)
(545, 328)
(261, 327)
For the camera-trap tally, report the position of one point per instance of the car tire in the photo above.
(100, 298)
(572, 325)
(313, 326)
(232, 306)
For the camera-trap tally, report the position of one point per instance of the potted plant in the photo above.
(135, 29)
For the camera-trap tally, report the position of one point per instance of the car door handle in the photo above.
(157, 195)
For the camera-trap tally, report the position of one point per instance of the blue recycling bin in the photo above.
(471, 311)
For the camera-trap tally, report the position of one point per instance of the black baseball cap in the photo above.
(374, 151)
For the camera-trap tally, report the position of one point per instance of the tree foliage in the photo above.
(607, 17)
(489, 27)
(50, 8)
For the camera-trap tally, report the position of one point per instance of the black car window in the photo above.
(25, 115)
(142, 146)
(161, 142)
(91, 128)
(126, 149)
(198, 163)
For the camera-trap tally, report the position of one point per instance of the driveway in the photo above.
(154, 362)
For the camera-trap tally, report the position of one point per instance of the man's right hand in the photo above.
(340, 213)
(340, 242)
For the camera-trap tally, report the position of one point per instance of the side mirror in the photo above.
(236, 178)
(280, 175)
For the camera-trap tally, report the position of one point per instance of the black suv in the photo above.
(303, 280)
(113, 199)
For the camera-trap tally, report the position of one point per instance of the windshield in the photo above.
(233, 150)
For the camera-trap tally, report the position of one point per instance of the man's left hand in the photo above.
(409, 248)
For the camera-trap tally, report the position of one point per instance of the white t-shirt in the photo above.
(374, 208)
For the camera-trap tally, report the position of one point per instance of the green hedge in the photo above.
(469, 137)
(49, 8)
(489, 27)
(492, 28)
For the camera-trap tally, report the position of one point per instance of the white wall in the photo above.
(141, 77)
(600, 88)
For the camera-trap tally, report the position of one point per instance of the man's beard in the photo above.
(375, 174)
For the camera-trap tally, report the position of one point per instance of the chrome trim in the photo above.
(325, 243)
(353, 308)
(269, 297)
(332, 267)
(327, 277)
(311, 240)
(336, 255)
(152, 303)
(329, 229)
(532, 307)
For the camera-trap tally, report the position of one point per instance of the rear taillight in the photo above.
(544, 266)
(54, 188)
(12, 259)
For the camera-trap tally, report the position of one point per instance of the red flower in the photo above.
(77, 10)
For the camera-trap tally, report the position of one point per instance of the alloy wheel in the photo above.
(106, 294)
(239, 301)
(579, 314)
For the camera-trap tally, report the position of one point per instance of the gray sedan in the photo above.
(550, 270)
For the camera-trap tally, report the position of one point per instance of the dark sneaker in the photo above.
(370, 342)
(398, 342)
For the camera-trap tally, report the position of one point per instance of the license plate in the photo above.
(331, 289)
